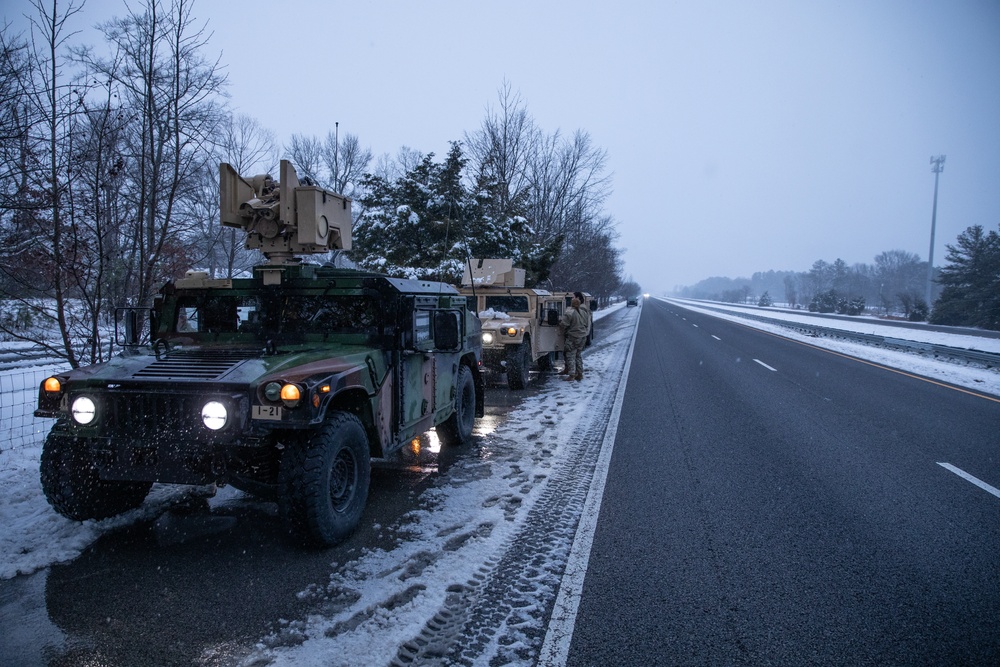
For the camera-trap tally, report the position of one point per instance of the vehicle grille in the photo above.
(199, 365)
(143, 414)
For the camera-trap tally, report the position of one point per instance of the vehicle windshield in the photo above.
(276, 315)
(507, 303)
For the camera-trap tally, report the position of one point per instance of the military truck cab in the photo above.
(520, 324)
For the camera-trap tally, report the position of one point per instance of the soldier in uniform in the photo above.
(585, 311)
(575, 325)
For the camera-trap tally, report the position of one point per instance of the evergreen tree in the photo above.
(971, 280)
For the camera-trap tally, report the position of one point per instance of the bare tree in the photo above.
(900, 276)
(306, 154)
(333, 163)
(346, 162)
(170, 90)
(501, 153)
(250, 149)
(38, 150)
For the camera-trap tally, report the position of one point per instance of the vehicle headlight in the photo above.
(272, 391)
(84, 410)
(214, 415)
(511, 331)
(291, 395)
(487, 338)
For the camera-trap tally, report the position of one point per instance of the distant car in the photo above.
(632, 301)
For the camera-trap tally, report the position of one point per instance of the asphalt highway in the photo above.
(772, 503)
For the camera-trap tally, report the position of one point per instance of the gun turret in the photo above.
(286, 218)
(492, 272)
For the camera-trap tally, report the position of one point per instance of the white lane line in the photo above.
(559, 636)
(969, 478)
(766, 366)
(716, 337)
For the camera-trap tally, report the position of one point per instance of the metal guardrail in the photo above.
(987, 359)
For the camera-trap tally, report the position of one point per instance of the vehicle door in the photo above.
(549, 336)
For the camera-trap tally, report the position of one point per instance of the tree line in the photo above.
(966, 291)
(109, 180)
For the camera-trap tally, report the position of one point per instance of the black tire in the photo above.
(73, 486)
(545, 362)
(324, 481)
(517, 365)
(457, 429)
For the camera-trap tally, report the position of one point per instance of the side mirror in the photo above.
(446, 330)
(130, 325)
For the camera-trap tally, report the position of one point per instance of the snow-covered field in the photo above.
(462, 537)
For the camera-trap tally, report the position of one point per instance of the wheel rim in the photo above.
(343, 479)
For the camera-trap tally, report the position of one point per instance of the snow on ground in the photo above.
(861, 324)
(972, 377)
(384, 599)
(33, 536)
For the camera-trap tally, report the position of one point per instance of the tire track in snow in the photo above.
(499, 616)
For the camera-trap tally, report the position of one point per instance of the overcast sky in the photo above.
(742, 136)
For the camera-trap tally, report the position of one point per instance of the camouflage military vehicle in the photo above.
(285, 384)
(520, 324)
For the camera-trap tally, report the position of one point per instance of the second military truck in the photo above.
(520, 324)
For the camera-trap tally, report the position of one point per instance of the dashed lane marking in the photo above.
(969, 478)
(766, 366)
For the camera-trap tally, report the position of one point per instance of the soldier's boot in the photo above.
(564, 371)
(568, 377)
(578, 376)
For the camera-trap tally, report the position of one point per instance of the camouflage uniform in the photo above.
(589, 318)
(575, 324)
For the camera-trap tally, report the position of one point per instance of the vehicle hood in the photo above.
(223, 366)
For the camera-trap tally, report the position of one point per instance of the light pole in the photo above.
(937, 166)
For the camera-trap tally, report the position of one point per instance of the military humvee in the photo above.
(520, 324)
(284, 384)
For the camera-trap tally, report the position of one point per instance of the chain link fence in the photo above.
(19, 427)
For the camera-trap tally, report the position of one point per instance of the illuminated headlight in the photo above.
(511, 331)
(487, 338)
(291, 395)
(214, 415)
(84, 410)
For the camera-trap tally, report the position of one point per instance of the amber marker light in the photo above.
(511, 331)
(291, 395)
(53, 385)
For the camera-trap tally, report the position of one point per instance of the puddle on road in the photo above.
(29, 637)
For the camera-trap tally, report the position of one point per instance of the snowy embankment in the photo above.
(980, 379)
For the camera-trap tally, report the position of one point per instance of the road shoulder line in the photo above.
(558, 637)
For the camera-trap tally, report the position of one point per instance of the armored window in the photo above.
(212, 314)
(319, 314)
(422, 334)
(507, 303)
